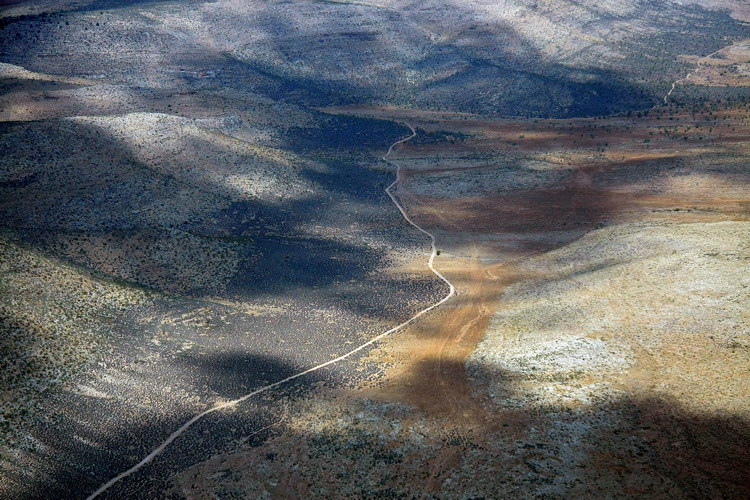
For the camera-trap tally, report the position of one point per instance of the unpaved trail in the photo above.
(443, 357)
(428, 363)
(677, 82)
(229, 404)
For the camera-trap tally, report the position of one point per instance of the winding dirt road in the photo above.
(229, 404)
(678, 82)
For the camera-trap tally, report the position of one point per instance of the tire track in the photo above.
(684, 78)
(229, 404)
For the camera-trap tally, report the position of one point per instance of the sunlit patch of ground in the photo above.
(54, 320)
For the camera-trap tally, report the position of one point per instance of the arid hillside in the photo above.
(388, 249)
(526, 58)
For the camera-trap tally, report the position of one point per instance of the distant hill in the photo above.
(540, 58)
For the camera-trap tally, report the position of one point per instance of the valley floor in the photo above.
(597, 345)
(182, 223)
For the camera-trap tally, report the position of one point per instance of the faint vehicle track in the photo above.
(229, 404)
(684, 78)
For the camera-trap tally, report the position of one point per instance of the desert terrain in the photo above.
(393, 249)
